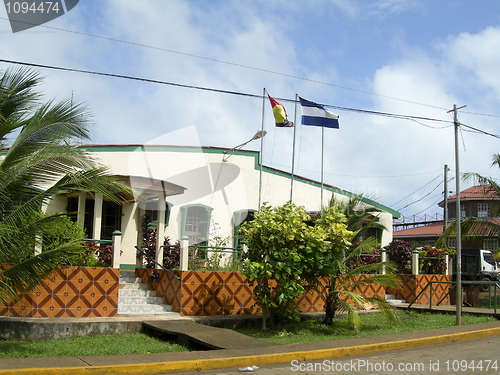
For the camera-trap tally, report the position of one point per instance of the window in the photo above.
(88, 219)
(196, 223)
(452, 242)
(483, 210)
(462, 211)
(429, 242)
(152, 211)
(491, 244)
(111, 219)
(239, 218)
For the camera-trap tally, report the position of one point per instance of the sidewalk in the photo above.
(252, 352)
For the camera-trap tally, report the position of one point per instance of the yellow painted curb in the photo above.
(260, 360)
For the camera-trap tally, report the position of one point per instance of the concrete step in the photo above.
(136, 293)
(391, 298)
(129, 280)
(144, 309)
(135, 298)
(133, 286)
(140, 300)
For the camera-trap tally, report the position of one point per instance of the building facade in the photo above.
(479, 202)
(199, 192)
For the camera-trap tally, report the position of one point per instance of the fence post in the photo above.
(446, 261)
(184, 256)
(117, 241)
(414, 262)
(139, 260)
(383, 258)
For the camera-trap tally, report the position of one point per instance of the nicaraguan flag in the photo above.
(316, 115)
(279, 112)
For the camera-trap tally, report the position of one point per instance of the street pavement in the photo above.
(420, 347)
(480, 356)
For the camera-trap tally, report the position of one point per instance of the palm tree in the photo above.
(342, 281)
(37, 163)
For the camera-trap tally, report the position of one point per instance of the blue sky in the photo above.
(409, 57)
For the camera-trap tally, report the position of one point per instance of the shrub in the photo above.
(400, 252)
(432, 261)
(171, 254)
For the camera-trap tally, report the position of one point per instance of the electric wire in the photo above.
(418, 200)
(231, 92)
(420, 188)
(228, 63)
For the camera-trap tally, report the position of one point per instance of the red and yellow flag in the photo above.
(280, 115)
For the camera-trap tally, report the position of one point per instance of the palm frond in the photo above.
(471, 228)
(27, 275)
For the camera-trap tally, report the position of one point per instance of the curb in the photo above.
(259, 360)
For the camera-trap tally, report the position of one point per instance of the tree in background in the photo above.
(37, 164)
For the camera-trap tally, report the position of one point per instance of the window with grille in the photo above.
(483, 210)
(196, 220)
(491, 244)
(462, 211)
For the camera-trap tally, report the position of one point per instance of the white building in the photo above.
(201, 192)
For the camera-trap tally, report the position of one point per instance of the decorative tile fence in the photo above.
(93, 292)
(70, 292)
(412, 285)
(222, 293)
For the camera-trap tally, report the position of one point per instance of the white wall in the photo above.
(225, 186)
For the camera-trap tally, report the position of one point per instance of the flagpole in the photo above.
(261, 148)
(322, 160)
(293, 149)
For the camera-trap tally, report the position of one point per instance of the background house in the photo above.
(198, 192)
(478, 202)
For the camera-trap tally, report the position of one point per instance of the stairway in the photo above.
(391, 298)
(135, 298)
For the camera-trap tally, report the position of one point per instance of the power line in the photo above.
(418, 200)
(369, 112)
(420, 188)
(227, 63)
(241, 65)
(476, 130)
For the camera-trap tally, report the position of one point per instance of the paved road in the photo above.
(464, 357)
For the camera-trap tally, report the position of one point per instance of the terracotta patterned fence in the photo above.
(93, 292)
(70, 292)
(223, 293)
(412, 285)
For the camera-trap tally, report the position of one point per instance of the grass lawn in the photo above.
(373, 324)
(137, 343)
(306, 331)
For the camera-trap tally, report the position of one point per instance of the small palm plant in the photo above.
(341, 289)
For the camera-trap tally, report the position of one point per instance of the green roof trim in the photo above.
(221, 150)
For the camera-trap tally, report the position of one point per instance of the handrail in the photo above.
(141, 252)
(467, 282)
(224, 249)
(419, 294)
(95, 240)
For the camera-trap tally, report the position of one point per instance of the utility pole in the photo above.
(458, 219)
(445, 218)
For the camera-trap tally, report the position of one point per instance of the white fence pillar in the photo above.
(447, 262)
(117, 242)
(414, 263)
(184, 256)
(383, 259)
